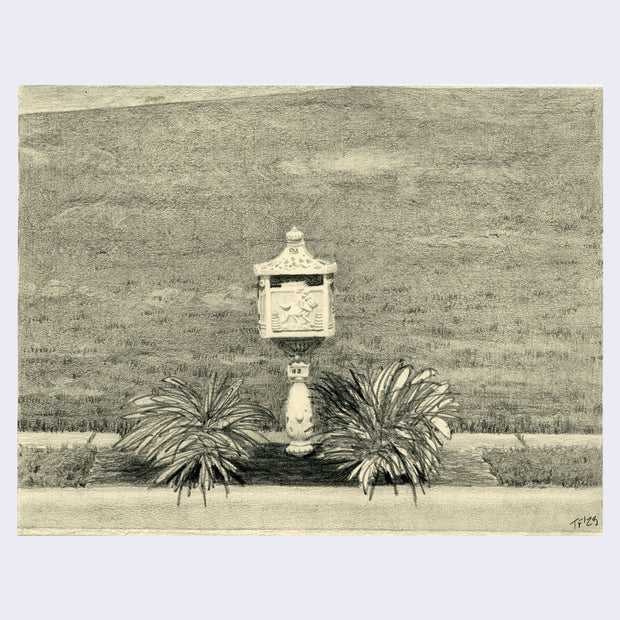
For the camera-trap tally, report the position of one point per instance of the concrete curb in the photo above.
(304, 510)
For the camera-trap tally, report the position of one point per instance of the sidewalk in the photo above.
(458, 441)
(57, 440)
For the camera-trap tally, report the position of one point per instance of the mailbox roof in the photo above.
(294, 259)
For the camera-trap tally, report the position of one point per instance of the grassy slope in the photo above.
(466, 225)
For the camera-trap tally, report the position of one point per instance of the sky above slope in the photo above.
(37, 99)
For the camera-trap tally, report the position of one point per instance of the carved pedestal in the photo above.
(298, 411)
(298, 414)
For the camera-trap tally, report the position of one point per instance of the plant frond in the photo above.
(181, 387)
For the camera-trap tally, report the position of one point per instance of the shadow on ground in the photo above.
(271, 465)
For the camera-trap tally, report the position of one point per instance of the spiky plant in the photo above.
(388, 422)
(197, 439)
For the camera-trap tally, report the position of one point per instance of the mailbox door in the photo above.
(297, 306)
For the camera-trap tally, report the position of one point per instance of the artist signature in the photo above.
(584, 522)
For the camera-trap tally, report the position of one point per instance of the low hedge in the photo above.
(566, 466)
(54, 467)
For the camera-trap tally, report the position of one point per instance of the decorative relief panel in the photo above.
(296, 308)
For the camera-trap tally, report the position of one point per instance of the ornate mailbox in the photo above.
(296, 311)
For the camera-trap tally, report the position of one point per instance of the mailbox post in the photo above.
(296, 311)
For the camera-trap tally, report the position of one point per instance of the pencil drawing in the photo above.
(321, 301)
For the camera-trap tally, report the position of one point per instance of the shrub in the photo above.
(195, 440)
(386, 423)
(54, 467)
(567, 466)
(72, 424)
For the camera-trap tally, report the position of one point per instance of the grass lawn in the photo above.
(466, 224)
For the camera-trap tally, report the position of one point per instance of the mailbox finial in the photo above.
(294, 260)
(294, 236)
